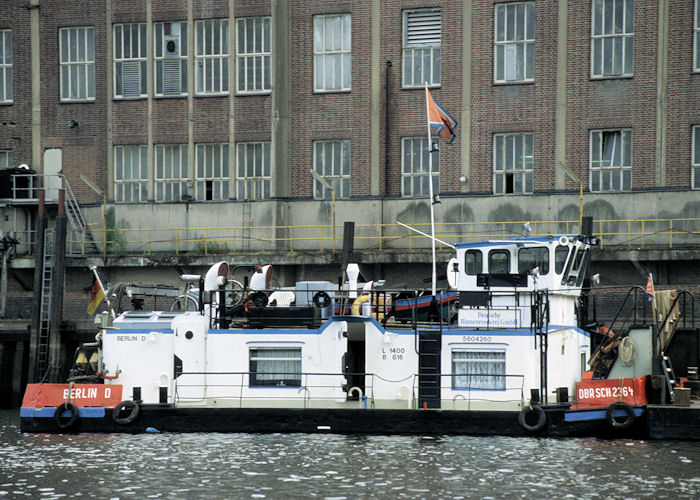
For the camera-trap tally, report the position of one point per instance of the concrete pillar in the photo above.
(560, 124)
(36, 84)
(661, 88)
(465, 125)
(280, 146)
(375, 117)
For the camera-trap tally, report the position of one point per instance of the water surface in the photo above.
(336, 466)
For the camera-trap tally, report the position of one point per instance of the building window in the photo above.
(611, 160)
(253, 55)
(253, 170)
(415, 166)
(695, 177)
(422, 32)
(275, 366)
(514, 45)
(7, 158)
(612, 41)
(332, 162)
(212, 179)
(77, 49)
(696, 38)
(211, 61)
(170, 58)
(512, 163)
(130, 174)
(479, 370)
(130, 60)
(6, 88)
(171, 172)
(332, 46)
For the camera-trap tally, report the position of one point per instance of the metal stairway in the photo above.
(669, 375)
(429, 369)
(80, 232)
(247, 221)
(42, 361)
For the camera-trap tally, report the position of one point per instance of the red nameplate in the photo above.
(100, 395)
(603, 393)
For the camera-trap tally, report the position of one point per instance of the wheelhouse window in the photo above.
(512, 163)
(472, 262)
(170, 58)
(6, 69)
(415, 166)
(211, 57)
(130, 60)
(253, 55)
(130, 174)
(612, 38)
(484, 370)
(530, 258)
(212, 173)
(422, 34)
(611, 160)
(77, 49)
(253, 171)
(332, 162)
(561, 252)
(514, 44)
(275, 367)
(695, 169)
(499, 262)
(332, 49)
(171, 172)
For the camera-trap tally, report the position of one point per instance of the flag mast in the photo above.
(430, 188)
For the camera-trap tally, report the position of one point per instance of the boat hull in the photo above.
(163, 418)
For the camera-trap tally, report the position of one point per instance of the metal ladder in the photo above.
(42, 364)
(669, 375)
(247, 221)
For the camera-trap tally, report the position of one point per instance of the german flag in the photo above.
(96, 296)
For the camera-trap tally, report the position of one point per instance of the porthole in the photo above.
(189, 335)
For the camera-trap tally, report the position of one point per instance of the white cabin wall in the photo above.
(564, 359)
(392, 358)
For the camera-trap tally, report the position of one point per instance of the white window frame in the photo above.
(327, 53)
(478, 379)
(696, 37)
(268, 378)
(514, 42)
(173, 62)
(421, 46)
(414, 177)
(253, 55)
(612, 31)
(605, 175)
(695, 158)
(332, 162)
(253, 178)
(130, 50)
(77, 63)
(6, 68)
(513, 159)
(212, 57)
(7, 158)
(171, 172)
(212, 173)
(131, 181)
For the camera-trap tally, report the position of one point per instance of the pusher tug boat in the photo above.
(515, 353)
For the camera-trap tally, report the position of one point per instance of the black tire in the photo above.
(620, 424)
(525, 415)
(125, 412)
(322, 299)
(259, 299)
(61, 423)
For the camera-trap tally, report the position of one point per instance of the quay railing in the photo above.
(624, 234)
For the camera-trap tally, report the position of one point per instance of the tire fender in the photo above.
(541, 418)
(65, 424)
(620, 424)
(118, 414)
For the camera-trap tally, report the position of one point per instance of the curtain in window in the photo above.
(277, 364)
(479, 370)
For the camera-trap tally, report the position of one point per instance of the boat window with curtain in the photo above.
(275, 366)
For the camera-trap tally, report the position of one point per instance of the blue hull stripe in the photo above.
(48, 411)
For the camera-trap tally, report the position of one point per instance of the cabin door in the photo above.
(429, 366)
(354, 361)
(190, 357)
